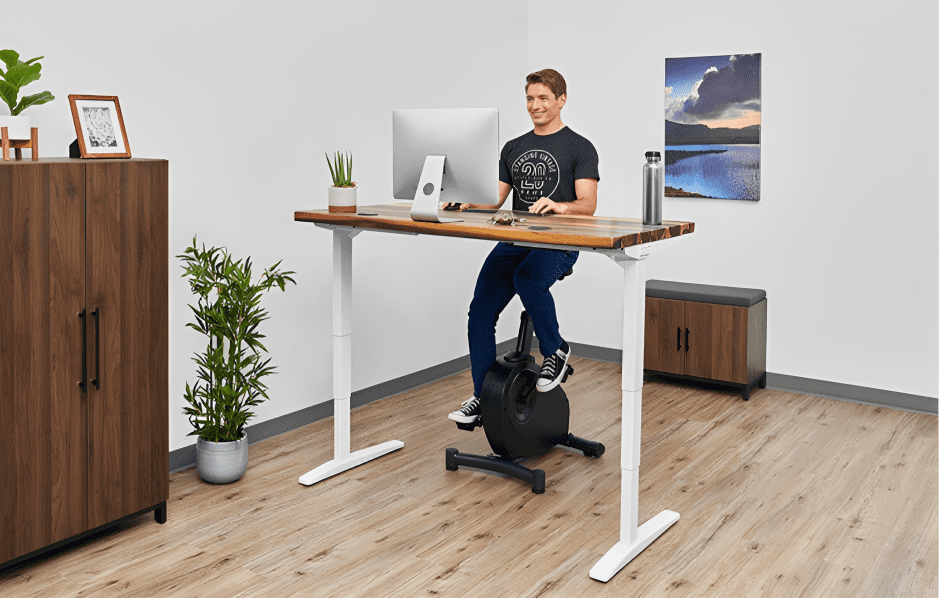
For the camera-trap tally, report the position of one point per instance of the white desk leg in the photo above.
(342, 369)
(633, 538)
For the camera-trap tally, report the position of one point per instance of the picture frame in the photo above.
(99, 126)
(713, 125)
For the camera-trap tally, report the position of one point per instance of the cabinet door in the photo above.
(127, 280)
(716, 341)
(42, 444)
(664, 319)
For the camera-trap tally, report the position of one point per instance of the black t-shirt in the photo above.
(546, 166)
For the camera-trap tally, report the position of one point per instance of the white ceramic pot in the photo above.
(18, 127)
(342, 199)
(222, 462)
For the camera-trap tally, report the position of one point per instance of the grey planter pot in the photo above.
(221, 462)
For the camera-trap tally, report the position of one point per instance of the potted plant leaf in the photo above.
(231, 367)
(342, 193)
(17, 75)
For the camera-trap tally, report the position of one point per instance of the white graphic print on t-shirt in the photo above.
(534, 175)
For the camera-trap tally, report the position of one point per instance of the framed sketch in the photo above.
(713, 109)
(99, 126)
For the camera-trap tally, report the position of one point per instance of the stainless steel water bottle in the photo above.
(652, 180)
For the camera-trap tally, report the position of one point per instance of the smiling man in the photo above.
(552, 169)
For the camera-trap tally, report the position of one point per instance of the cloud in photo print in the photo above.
(719, 91)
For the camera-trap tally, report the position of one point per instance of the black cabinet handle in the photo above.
(679, 339)
(97, 314)
(687, 339)
(84, 382)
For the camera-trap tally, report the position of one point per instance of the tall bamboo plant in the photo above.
(230, 368)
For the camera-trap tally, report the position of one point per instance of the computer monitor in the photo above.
(445, 155)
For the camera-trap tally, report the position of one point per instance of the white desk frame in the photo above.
(633, 537)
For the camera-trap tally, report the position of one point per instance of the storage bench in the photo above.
(706, 332)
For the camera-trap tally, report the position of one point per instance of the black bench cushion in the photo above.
(704, 293)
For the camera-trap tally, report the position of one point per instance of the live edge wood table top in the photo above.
(596, 232)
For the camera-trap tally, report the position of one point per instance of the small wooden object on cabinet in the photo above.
(31, 144)
(706, 332)
(83, 349)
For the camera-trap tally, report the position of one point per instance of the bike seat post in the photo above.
(522, 350)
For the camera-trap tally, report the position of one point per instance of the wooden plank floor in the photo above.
(785, 495)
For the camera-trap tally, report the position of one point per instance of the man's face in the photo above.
(543, 107)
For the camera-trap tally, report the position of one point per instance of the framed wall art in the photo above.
(99, 126)
(712, 127)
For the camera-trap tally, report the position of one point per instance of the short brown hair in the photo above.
(549, 77)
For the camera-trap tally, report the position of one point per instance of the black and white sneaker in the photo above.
(468, 412)
(553, 369)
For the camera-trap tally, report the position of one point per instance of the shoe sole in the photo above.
(464, 419)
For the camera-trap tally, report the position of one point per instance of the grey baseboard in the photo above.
(185, 457)
(809, 386)
(855, 394)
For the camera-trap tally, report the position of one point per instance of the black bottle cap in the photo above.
(653, 155)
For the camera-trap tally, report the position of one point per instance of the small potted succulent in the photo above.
(342, 193)
(17, 75)
(230, 367)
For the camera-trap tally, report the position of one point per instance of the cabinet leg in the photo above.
(160, 513)
(746, 392)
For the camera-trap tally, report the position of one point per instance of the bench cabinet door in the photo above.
(664, 336)
(716, 341)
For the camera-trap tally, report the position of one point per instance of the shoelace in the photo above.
(470, 406)
(550, 366)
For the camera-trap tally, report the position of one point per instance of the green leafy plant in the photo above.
(341, 170)
(19, 74)
(230, 368)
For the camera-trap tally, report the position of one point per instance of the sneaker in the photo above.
(552, 371)
(468, 412)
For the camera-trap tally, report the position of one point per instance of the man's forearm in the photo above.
(584, 206)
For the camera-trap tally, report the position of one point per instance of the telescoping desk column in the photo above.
(627, 242)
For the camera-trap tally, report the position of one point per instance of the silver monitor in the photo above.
(445, 155)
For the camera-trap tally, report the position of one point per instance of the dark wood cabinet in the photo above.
(726, 343)
(83, 348)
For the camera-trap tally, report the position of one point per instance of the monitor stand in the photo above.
(426, 206)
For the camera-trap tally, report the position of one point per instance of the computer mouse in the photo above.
(451, 207)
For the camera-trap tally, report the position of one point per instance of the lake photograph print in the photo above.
(712, 127)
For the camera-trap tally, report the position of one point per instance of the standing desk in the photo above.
(626, 241)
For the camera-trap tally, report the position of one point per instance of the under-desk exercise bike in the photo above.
(520, 422)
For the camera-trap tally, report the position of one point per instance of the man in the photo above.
(552, 170)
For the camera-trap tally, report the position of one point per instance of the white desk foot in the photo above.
(331, 468)
(622, 552)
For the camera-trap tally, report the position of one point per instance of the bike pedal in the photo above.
(569, 371)
(468, 427)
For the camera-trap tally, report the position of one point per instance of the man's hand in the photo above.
(545, 205)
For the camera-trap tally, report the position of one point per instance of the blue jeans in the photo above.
(511, 270)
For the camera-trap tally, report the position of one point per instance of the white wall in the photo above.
(243, 99)
(844, 237)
